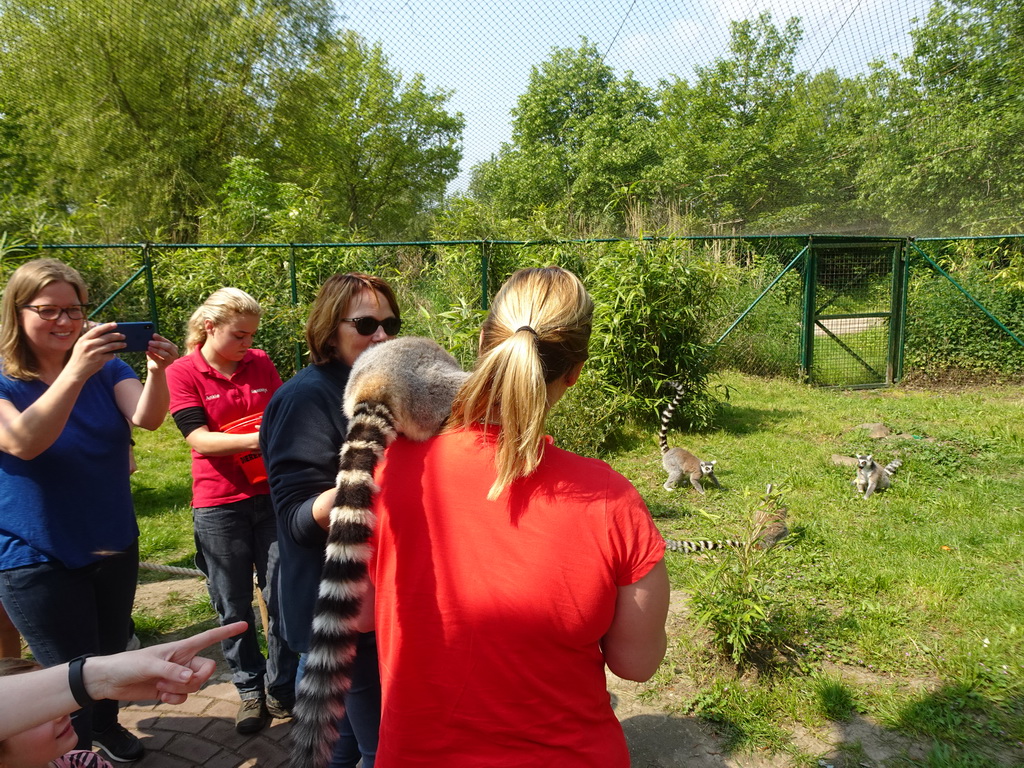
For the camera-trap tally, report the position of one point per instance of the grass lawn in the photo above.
(906, 609)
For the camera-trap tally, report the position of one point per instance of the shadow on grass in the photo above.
(150, 502)
(741, 420)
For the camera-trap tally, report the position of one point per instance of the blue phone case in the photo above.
(136, 335)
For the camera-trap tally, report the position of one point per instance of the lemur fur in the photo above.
(872, 476)
(403, 386)
(679, 462)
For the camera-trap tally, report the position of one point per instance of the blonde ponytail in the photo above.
(537, 330)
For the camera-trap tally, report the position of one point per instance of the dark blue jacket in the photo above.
(303, 428)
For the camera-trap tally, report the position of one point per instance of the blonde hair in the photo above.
(222, 305)
(329, 307)
(24, 283)
(537, 330)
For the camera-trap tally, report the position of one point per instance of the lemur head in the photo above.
(707, 467)
(863, 461)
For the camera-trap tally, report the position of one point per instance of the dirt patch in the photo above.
(155, 597)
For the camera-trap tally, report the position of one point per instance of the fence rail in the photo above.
(759, 316)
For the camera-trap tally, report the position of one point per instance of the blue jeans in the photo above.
(230, 540)
(359, 726)
(63, 613)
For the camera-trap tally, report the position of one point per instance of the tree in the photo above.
(944, 141)
(578, 134)
(729, 150)
(379, 150)
(141, 104)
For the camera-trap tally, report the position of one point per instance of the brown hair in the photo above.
(24, 283)
(222, 305)
(538, 329)
(12, 666)
(329, 307)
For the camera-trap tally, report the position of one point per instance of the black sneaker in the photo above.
(252, 716)
(118, 743)
(279, 708)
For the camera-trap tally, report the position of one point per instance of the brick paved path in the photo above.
(202, 732)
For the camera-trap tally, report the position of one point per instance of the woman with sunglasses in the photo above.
(303, 428)
(69, 552)
(223, 380)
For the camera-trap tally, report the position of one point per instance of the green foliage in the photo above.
(578, 133)
(947, 332)
(141, 104)
(735, 601)
(378, 150)
(136, 111)
(959, 145)
(652, 304)
(766, 342)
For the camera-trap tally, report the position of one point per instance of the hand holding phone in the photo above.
(136, 335)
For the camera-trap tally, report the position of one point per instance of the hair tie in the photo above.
(526, 328)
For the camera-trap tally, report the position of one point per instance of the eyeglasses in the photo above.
(367, 326)
(53, 312)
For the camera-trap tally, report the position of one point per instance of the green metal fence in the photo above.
(833, 311)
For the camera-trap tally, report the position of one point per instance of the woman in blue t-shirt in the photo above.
(69, 552)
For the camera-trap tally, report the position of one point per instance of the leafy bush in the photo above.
(946, 330)
(652, 302)
(734, 601)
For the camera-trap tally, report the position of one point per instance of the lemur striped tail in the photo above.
(666, 416)
(703, 545)
(405, 386)
(892, 466)
(328, 670)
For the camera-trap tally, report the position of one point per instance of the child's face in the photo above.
(37, 746)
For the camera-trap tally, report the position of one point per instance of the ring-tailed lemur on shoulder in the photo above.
(403, 386)
(872, 476)
(679, 462)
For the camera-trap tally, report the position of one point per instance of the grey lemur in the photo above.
(872, 476)
(679, 461)
(403, 386)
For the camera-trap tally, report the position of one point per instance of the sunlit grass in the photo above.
(905, 586)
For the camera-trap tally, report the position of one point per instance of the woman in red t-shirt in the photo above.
(508, 572)
(222, 380)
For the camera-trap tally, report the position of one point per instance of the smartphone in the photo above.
(136, 335)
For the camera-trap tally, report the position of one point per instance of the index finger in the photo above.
(190, 646)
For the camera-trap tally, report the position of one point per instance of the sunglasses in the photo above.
(367, 326)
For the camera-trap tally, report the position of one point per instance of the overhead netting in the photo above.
(306, 120)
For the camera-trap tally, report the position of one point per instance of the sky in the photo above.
(483, 52)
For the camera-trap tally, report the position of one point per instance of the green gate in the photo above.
(853, 311)
(834, 315)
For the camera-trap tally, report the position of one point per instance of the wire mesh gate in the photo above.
(836, 312)
(854, 307)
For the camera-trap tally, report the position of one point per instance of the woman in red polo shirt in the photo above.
(221, 380)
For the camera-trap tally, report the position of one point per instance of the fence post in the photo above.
(898, 313)
(484, 265)
(293, 279)
(810, 284)
(147, 264)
